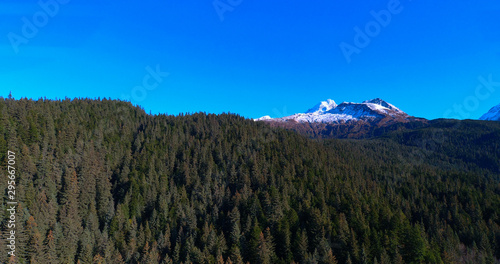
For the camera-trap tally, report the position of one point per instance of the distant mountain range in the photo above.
(370, 118)
(329, 112)
(346, 120)
(368, 111)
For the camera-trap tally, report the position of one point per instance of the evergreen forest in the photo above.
(102, 181)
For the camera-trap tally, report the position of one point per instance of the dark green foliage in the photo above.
(100, 181)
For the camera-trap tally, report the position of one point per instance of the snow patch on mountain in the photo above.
(380, 102)
(322, 107)
(263, 118)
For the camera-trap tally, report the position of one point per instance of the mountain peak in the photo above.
(263, 118)
(493, 114)
(383, 103)
(322, 107)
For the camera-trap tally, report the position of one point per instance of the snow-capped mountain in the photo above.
(493, 114)
(322, 107)
(263, 118)
(331, 113)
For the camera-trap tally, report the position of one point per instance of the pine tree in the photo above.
(98, 259)
(69, 217)
(85, 247)
(35, 242)
(254, 241)
(398, 259)
(329, 258)
(264, 252)
(414, 244)
(384, 258)
(349, 260)
(150, 255)
(283, 241)
(301, 246)
(50, 254)
(354, 247)
(364, 256)
(236, 257)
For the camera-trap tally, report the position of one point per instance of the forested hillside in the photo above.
(101, 181)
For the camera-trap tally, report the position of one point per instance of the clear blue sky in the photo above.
(253, 57)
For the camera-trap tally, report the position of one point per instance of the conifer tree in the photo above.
(69, 217)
